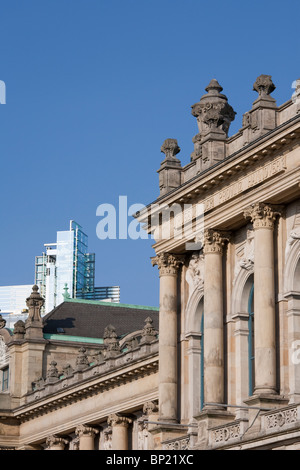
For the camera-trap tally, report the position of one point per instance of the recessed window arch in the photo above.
(251, 356)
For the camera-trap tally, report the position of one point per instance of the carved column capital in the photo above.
(168, 263)
(214, 241)
(84, 430)
(150, 407)
(263, 215)
(117, 420)
(56, 441)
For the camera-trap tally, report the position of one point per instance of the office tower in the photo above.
(67, 265)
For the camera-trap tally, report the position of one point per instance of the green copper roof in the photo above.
(108, 304)
(77, 339)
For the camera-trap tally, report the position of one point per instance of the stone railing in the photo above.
(110, 372)
(282, 419)
(224, 434)
(180, 443)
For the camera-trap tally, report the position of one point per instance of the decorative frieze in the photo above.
(263, 215)
(167, 263)
(215, 240)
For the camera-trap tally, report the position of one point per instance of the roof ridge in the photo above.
(110, 304)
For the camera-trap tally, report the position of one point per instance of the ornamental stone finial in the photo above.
(82, 360)
(34, 303)
(19, 330)
(149, 333)
(213, 112)
(264, 85)
(170, 148)
(110, 339)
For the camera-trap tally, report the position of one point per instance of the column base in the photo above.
(210, 418)
(161, 433)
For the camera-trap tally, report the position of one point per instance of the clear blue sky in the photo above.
(93, 89)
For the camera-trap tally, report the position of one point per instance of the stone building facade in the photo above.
(221, 369)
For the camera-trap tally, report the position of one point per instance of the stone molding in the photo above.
(263, 215)
(215, 240)
(167, 263)
(118, 420)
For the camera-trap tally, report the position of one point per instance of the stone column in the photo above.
(119, 426)
(86, 436)
(56, 443)
(263, 217)
(214, 241)
(168, 266)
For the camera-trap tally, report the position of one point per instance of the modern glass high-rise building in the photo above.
(67, 263)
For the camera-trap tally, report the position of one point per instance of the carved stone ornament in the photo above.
(56, 441)
(215, 240)
(263, 215)
(170, 148)
(84, 430)
(264, 85)
(3, 352)
(195, 272)
(2, 322)
(68, 370)
(150, 407)
(82, 361)
(52, 373)
(111, 341)
(149, 333)
(34, 303)
(167, 263)
(19, 328)
(213, 111)
(118, 420)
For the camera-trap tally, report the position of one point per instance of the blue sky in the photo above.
(93, 89)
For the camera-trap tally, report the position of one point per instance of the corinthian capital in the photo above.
(167, 263)
(117, 420)
(263, 215)
(214, 240)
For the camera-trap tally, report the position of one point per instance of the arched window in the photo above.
(202, 363)
(251, 340)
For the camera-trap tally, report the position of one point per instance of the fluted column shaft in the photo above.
(168, 265)
(263, 217)
(213, 347)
